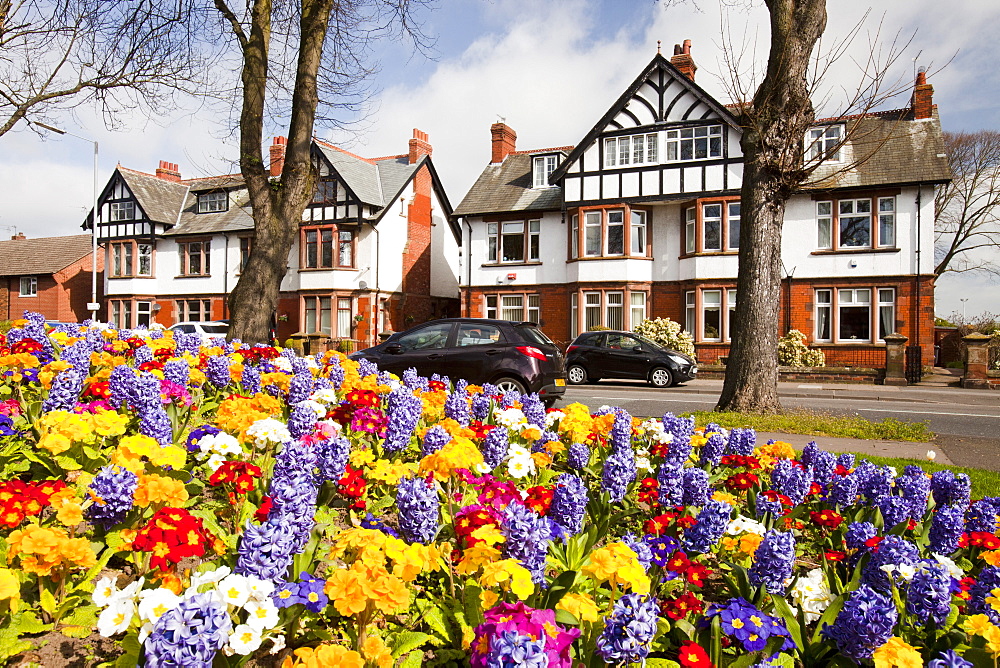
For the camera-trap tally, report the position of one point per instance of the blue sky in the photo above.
(551, 69)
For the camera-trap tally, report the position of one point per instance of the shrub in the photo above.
(792, 351)
(667, 333)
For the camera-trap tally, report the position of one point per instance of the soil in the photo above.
(54, 650)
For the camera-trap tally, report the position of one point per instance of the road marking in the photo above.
(879, 410)
(810, 387)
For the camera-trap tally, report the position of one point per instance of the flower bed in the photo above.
(219, 506)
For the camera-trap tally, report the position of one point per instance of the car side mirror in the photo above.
(394, 349)
(637, 349)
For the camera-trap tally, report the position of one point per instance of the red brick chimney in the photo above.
(419, 146)
(504, 141)
(18, 237)
(682, 59)
(168, 171)
(922, 101)
(278, 155)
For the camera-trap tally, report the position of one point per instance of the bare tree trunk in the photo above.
(277, 207)
(774, 130)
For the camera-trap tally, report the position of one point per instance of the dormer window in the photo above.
(212, 202)
(824, 143)
(543, 166)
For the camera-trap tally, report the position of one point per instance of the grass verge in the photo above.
(984, 483)
(821, 424)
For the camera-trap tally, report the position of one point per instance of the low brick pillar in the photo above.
(895, 359)
(977, 359)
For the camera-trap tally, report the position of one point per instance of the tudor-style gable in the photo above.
(664, 137)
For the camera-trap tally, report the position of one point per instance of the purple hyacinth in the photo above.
(846, 460)
(712, 451)
(190, 635)
(877, 483)
(709, 527)
(982, 515)
(578, 456)
(419, 509)
(404, 410)
(331, 458)
(772, 562)
(928, 597)
(480, 406)
(988, 580)
(527, 539)
(367, 368)
(153, 419)
(822, 467)
(217, 371)
(435, 438)
(266, 551)
(951, 489)
(495, 446)
(949, 659)
(643, 553)
(696, 489)
(141, 355)
(301, 384)
(844, 493)
(892, 550)
(741, 442)
(177, 371)
(35, 329)
(534, 410)
(790, 480)
(250, 379)
(335, 373)
(947, 526)
(619, 466)
(113, 489)
(865, 624)
(895, 509)
(456, 407)
(569, 503)
(65, 390)
(915, 487)
(670, 484)
(858, 533)
(681, 429)
(187, 342)
(629, 630)
(302, 420)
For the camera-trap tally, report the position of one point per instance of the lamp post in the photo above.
(94, 306)
(963, 308)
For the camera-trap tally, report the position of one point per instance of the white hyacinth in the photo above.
(812, 593)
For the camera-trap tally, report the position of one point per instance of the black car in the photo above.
(596, 355)
(511, 355)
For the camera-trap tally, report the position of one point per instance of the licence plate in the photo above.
(560, 382)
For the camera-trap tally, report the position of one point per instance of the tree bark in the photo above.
(277, 206)
(774, 127)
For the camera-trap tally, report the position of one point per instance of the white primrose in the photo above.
(245, 639)
(154, 603)
(261, 615)
(234, 589)
(117, 617)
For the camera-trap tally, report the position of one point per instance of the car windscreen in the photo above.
(535, 335)
(215, 329)
(652, 344)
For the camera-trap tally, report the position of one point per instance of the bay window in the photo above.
(194, 310)
(344, 317)
(318, 315)
(690, 312)
(638, 233)
(609, 233)
(638, 305)
(326, 247)
(865, 222)
(848, 315)
(712, 227)
(129, 258)
(607, 308)
(616, 233)
(710, 313)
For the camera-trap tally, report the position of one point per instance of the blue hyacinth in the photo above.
(695, 486)
(495, 446)
(629, 630)
(527, 539)
(709, 527)
(950, 489)
(858, 533)
(947, 526)
(456, 407)
(865, 624)
(435, 438)
(712, 451)
(480, 406)
(177, 371)
(569, 503)
(619, 466)
(949, 659)
(217, 371)
(509, 649)
(113, 489)
(892, 550)
(928, 597)
(844, 492)
(534, 410)
(332, 455)
(419, 510)
(741, 442)
(190, 635)
(404, 410)
(302, 420)
(578, 456)
(989, 579)
(670, 484)
(772, 562)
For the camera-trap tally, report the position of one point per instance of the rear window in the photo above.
(535, 335)
(215, 329)
(588, 339)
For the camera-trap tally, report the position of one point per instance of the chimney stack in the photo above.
(922, 101)
(168, 171)
(278, 155)
(18, 237)
(682, 59)
(504, 142)
(419, 146)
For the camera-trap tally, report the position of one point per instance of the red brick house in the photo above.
(49, 275)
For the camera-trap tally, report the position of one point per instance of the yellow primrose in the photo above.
(896, 653)
(477, 556)
(390, 472)
(576, 422)
(110, 423)
(618, 564)
(508, 570)
(460, 453)
(581, 606)
(10, 588)
(359, 458)
(977, 625)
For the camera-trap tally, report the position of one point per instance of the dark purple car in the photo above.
(511, 355)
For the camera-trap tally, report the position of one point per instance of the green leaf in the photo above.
(407, 642)
(746, 660)
(47, 601)
(791, 621)
(76, 631)
(68, 463)
(471, 598)
(85, 615)
(568, 618)
(412, 660)
(433, 616)
(661, 663)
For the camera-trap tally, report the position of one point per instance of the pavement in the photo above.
(937, 389)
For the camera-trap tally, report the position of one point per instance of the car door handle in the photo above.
(435, 356)
(493, 352)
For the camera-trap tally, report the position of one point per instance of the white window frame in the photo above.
(885, 231)
(824, 143)
(122, 259)
(691, 312)
(853, 298)
(881, 215)
(730, 218)
(856, 206)
(574, 241)
(592, 225)
(631, 150)
(574, 314)
(886, 311)
(690, 230)
(513, 307)
(729, 314)
(121, 211)
(213, 202)
(490, 306)
(321, 309)
(144, 313)
(637, 308)
(194, 310)
(711, 219)
(824, 225)
(705, 307)
(703, 142)
(204, 253)
(542, 168)
(28, 286)
(345, 317)
(637, 239)
(823, 298)
(530, 234)
(143, 259)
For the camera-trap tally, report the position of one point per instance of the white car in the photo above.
(209, 331)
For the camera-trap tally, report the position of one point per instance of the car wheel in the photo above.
(576, 374)
(660, 377)
(507, 384)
